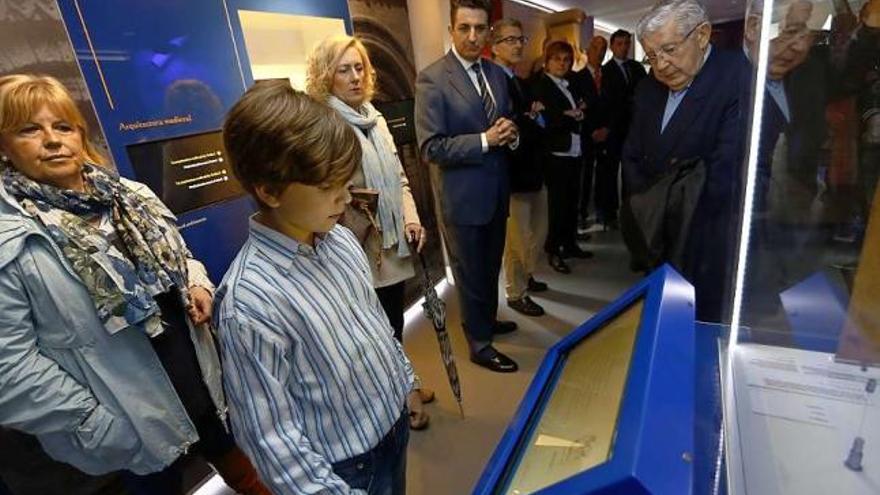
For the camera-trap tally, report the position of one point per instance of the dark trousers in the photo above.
(214, 443)
(607, 198)
(175, 350)
(586, 184)
(391, 298)
(563, 175)
(382, 470)
(28, 470)
(475, 253)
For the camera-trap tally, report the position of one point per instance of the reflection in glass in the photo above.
(576, 429)
(804, 368)
(817, 169)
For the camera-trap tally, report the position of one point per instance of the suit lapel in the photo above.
(460, 81)
(498, 82)
(687, 110)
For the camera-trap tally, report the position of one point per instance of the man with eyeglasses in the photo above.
(464, 131)
(788, 50)
(620, 76)
(527, 223)
(687, 122)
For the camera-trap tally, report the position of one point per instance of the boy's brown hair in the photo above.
(276, 135)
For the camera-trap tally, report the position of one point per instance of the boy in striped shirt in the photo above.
(316, 382)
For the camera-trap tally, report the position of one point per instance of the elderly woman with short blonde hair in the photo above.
(105, 352)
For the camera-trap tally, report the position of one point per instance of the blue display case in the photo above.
(644, 397)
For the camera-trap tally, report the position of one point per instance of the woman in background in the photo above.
(340, 73)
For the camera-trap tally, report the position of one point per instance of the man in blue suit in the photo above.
(690, 110)
(463, 129)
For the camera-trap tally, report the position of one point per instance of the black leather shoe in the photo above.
(526, 306)
(576, 252)
(489, 358)
(502, 327)
(536, 286)
(559, 264)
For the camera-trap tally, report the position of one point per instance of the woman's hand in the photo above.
(415, 232)
(200, 305)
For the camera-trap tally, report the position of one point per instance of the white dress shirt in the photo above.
(575, 150)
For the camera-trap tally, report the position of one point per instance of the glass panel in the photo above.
(576, 429)
(810, 262)
(264, 32)
(804, 355)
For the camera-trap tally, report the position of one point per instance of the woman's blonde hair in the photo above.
(322, 66)
(22, 95)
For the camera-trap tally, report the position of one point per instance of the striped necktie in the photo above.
(488, 103)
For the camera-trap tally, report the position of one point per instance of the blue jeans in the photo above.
(382, 470)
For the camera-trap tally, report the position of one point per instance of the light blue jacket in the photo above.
(97, 401)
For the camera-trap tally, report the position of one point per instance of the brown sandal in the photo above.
(426, 395)
(418, 418)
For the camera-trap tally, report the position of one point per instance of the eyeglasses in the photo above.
(512, 40)
(669, 50)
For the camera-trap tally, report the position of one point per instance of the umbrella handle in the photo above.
(412, 246)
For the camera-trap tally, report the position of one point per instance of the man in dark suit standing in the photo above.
(620, 76)
(690, 109)
(594, 141)
(464, 130)
(527, 223)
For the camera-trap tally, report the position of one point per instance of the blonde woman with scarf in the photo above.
(340, 74)
(105, 353)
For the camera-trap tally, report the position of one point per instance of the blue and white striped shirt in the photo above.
(311, 368)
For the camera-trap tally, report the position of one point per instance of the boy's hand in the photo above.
(200, 305)
(416, 233)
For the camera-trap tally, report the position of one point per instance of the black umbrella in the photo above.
(435, 310)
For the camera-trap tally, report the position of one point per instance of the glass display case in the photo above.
(801, 407)
(612, 407)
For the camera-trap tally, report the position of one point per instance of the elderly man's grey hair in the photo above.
(685, 14)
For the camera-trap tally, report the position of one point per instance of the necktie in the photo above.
(597, 79)
(488, 104)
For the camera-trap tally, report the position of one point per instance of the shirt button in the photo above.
(360, 466)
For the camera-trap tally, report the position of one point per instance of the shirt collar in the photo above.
(507, 70)
(280, 248)
(619, 61)
(559, 81)
(464, 63)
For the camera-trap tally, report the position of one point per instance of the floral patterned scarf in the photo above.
(122, 285)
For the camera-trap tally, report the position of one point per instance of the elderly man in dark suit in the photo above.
(690, 110)
(464, 130)
(620, 76)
